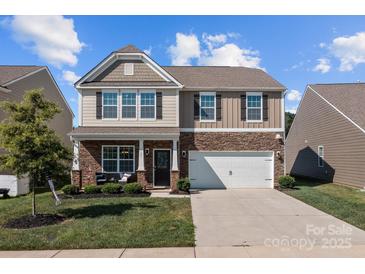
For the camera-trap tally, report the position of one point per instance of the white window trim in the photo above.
(131, 68)
(102, 103)
(140, 104)
(121, 104)
(320, 156)
(118, 157)
(254, 94)
(206, 93)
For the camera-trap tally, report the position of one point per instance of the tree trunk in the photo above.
(33, 199)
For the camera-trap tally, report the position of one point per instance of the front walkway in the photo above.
(357, 251)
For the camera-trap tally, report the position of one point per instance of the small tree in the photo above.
(31, 148)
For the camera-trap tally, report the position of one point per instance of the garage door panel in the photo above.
(231, 169)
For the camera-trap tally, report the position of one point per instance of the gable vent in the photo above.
(128, 69)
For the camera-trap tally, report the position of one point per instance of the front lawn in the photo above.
(100, 223)
(345, 203)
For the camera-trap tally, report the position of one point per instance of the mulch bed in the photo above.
(30, 221)
(102, 195)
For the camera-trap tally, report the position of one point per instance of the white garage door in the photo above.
(208, 169)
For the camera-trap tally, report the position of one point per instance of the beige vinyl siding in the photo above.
(231, 111)
(62, 123)
(169, 100)
(142, 72)
(317, 123)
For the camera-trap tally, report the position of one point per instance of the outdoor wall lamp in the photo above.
(183, 154)
(146, 151)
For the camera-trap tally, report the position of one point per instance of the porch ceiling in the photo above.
(125, 133)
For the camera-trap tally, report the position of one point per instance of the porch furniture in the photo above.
(100, 178)
(124, 178)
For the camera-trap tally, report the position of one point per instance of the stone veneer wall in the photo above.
(231, 141)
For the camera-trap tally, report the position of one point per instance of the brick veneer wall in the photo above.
(90, 158)
(232, 141)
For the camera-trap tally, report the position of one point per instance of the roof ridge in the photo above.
(332, 84)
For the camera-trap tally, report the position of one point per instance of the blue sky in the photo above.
(295, 50)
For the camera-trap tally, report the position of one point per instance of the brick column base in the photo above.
(175, 175)
(141, 178)
(76, 178)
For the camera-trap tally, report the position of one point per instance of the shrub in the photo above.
(70, 189)
(111, 188)
(92, 189)
(133, 188)
(287, 181)
(183, 184)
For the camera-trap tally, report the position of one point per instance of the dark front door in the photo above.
(162, 167)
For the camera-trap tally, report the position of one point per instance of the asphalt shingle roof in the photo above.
(349, 98)
(10, 73)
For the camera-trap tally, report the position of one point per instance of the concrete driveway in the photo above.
(266, 218)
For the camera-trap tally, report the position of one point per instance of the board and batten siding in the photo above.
(231, 111)
(169, 117)
(317, 123)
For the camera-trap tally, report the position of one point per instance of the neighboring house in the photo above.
(327, 138)
(220, 126)
(14, 82)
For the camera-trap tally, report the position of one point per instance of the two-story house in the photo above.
(15, 81)
(222, 127)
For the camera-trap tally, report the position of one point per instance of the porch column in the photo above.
(141, 156)
(174, 156)
(76, 156)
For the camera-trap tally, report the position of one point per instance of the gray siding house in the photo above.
(327, 137)
(220, 126)
(14, 82)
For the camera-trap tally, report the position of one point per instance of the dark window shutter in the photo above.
(99, 105)
(243, 107)
(218, 107)
(265, 107)
(196, 107)
(159, 105)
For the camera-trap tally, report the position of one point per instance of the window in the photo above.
(148, 105)
(128, 69)
(129, 106)
(118, 159)
(320, 156)
(254, 107)
(207, 106)
(110, 105)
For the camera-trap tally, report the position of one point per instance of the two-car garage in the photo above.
(234, 169)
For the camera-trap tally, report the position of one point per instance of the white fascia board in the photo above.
(232, 129)
(115, 56)
(339, 111)
(129, 87)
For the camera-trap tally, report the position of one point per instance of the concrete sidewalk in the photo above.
(357, 251)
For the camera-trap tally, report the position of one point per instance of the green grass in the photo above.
(345, 203)
(100, 223)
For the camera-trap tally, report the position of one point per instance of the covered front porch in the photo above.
(150, 155)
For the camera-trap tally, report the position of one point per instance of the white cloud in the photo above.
(187, 47)
(292, 110)
(230, 55)
(148, 51)
(323, 65)
(322, 45)
(294, 95)
(70, 77)
(73, 100)
(52, 38)
(350, 50)
(213, 50)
